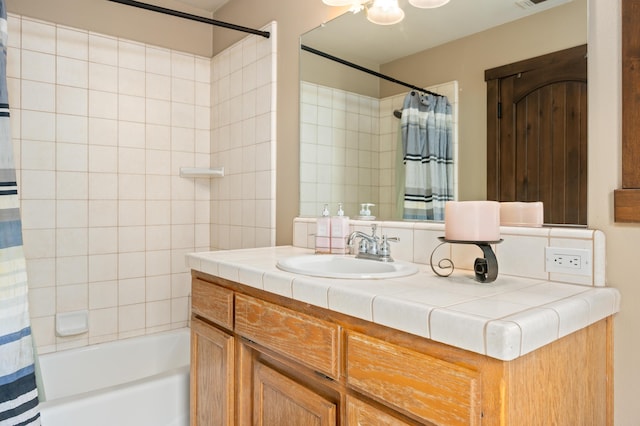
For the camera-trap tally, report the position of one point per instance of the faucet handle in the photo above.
(385, 247)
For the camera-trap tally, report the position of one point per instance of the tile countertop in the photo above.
(504, 319)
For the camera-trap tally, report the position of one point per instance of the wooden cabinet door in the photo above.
(212, 376)
(537, 134)
(359, 413)
(279, 400)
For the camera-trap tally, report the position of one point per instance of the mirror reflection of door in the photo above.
(537, 134)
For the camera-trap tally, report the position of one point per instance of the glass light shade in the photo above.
(385, 12)
(428, 4)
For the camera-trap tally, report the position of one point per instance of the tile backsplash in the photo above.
(521, 253)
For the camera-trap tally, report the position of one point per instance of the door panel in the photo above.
(279, 400)
(537, 148)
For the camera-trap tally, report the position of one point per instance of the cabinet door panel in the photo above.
(280, 401)
(312, 341)
(428, 387)
(360, 413)
(212, 376)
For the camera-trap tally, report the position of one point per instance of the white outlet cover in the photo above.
(585, 267)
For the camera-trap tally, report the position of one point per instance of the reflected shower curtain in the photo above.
(426, 127)
(18, 392)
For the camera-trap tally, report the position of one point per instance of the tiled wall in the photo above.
(101, 126)
(347, 137)
(244, 143)
(521, 253)
(339, 143)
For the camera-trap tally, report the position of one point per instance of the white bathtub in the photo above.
(142, 381)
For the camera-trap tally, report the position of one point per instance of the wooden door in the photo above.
(537, 134)
(279, 400)
(212, 376)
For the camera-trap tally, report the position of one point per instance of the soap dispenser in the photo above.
(323, 232)
(339, 232)
(365, 212)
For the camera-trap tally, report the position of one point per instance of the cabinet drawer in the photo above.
(212, 302)
(430, 388)
(301, 337)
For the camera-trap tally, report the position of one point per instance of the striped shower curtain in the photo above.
(426, 126)
(18, 392)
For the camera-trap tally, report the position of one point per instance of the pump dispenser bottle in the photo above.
(339, 232)
(323, 232)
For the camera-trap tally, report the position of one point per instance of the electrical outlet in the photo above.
(568, 260)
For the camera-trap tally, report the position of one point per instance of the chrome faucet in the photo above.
(370, 246)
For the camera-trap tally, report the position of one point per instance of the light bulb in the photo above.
(428, 4)
(385, 12)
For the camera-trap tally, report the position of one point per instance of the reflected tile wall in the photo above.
(348, 148)
(101, 126)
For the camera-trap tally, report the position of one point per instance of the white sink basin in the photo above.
(346, 267)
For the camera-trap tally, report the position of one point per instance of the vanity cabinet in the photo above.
(262, 359)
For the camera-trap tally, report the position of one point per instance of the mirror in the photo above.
(445, 50)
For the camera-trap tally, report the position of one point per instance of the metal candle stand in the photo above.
(485, 268)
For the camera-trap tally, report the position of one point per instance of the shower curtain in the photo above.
(18, 392)
(426, 127)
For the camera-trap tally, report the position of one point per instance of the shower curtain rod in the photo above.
(265, 34)
(367, 70)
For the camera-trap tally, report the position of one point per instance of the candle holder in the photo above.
(485, 268)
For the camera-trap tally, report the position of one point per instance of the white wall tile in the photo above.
(103, 49)
(103, 213)
(103, 132)
(71, 157)
(72, 128)
(103, 186)
(38, 126)
(71, 100)
(131, 55)
(72, 185)
(38, 184)
(72, 43)
(103, 240)
(38, 36)
(38, 96)
(103, 104)
(72, 72)
(131, 239)
(158, 60)
(103, 267)
(100, 171)
(71, 213)
(103, 77)
(71, 270)
(37, 66)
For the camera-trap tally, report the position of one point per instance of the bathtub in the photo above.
(141, 381)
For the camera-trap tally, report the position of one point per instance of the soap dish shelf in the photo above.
(485, 268)
(201, 172)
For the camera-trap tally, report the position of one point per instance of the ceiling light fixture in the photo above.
(385, 12)
(427, 4)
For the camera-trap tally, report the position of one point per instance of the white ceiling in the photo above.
(420, 30)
